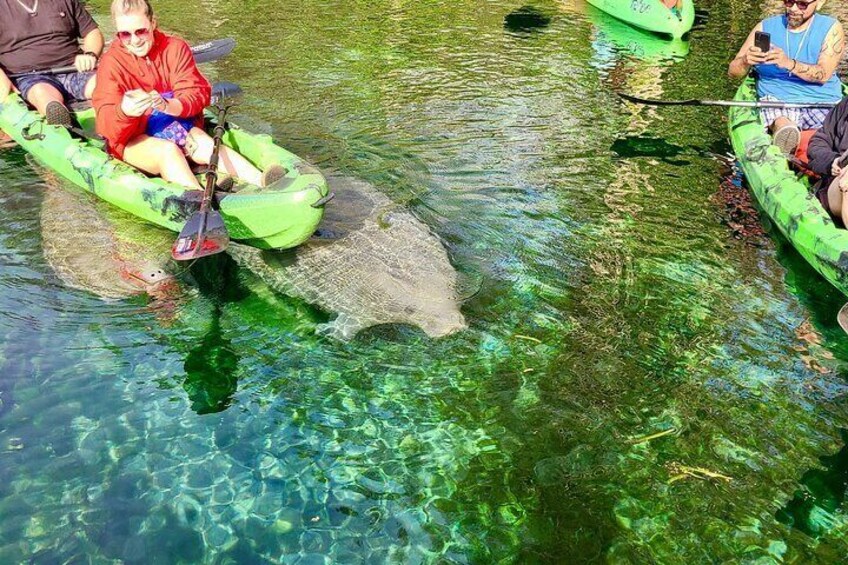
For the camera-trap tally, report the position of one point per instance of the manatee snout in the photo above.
(152, 279)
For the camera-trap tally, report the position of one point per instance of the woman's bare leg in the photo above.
(89, 87)
(160, 157)
(836, 199)
(231, 162)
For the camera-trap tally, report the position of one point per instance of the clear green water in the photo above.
(614, 307)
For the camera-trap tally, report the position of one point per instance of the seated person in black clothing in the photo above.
(828, 147)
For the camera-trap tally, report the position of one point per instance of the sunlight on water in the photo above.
(633, 385)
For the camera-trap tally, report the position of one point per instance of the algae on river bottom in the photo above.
(614, 307)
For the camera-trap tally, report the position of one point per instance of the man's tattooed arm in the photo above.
(831, 53)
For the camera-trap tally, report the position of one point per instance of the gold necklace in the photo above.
(803, 37)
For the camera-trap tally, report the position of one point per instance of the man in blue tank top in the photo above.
(800, 66)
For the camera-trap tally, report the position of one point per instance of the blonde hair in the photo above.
(123, 7)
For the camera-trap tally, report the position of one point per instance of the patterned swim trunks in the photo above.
(165, 126)
(806, 118)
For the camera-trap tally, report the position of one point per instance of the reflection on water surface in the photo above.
(634, 384)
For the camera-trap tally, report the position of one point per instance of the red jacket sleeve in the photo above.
(111, 122)
(190, 87)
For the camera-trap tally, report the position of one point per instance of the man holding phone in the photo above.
(795, 56)
(36, 35)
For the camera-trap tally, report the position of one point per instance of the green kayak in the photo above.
(786, 196)
(279, 216)
(650, 15)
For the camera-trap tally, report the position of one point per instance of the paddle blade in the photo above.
(213, 50)
(650, 102)
(204, 234)
(223, 89)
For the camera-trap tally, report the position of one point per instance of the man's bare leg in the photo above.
(780, 122)
(42, 94)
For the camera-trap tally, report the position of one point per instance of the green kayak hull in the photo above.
(650, 15)
(280, 216)
(785, 196)
(640, 44)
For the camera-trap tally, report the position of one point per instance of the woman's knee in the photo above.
(199, 145)
(89, 86)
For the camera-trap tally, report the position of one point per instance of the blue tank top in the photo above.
(804, 47)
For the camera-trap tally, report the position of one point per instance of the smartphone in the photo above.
(762, 40)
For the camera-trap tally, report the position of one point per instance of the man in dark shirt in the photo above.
(36, 35)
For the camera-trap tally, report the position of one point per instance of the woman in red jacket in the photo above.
(149, 103)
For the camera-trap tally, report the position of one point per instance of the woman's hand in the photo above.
(135, 103)
(835, 169)
(157, 102)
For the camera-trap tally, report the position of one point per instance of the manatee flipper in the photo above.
(344, 327)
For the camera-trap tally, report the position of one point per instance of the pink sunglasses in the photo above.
(126, 36)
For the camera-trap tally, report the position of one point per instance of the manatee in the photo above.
(371, 263)
(90, 249)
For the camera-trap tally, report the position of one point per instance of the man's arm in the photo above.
(93, 42)
(92, 39)
(748, 56)
(831, 53)
(92, 46)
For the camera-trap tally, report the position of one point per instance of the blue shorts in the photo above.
(165, 126)
(71, 85)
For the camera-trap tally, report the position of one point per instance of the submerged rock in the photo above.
(371, 263)
(112, 259)
(526, 19)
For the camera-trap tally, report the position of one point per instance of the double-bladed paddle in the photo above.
(203, 53)
(205, 233)
(737, 103)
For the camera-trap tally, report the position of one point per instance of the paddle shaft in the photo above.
(203, 53)
(206, 226)
(211, 174)
(212, 169)
(726, 103)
